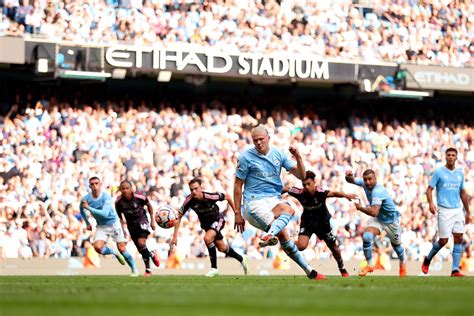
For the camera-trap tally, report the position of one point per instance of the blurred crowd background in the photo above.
(50, 148)
(422, 31)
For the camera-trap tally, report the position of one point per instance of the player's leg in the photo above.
(99, 247)
(457, 254)
(224, 247)
(292, 251)
(368, 238)
(259, 214)
(122, 247)
(209, 238)
(325, 233)
(306, 231)
(282, 213)
(458, 231)
(445, 228)
(119, 238)
(394, 234)
(140, 243)
(101, 236)
(221, 245)
(302, 242)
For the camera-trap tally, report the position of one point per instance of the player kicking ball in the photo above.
(257, 180)
(315, 218)
(130, 208)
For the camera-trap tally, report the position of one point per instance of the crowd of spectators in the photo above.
(49, 152)
(421, 31)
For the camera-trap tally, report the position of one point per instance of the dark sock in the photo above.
(146, 254)
(231, 253)
(147, 263)
(212, 255)
(340, 263)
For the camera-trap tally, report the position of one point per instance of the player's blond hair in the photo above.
(259, 129)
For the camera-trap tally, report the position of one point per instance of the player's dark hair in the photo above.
(125, 181)
(93, 178)
(452, 149)
(195, 180)
(309, 175)
(368, 172)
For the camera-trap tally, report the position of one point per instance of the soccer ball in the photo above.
(166, 216)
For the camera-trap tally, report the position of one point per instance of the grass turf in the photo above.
(227, 295)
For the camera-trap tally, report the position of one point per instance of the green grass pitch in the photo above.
(228, 295)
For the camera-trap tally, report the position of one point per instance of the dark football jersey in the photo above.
(206, 209)
(134, 209)
(314, 205)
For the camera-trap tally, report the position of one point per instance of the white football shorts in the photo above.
(393, 229)
(259, 212)
(103, 232)
(450, 220)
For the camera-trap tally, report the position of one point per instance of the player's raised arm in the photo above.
(299, 170)
(239, 220)
(350, 177)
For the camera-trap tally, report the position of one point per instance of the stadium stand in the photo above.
(52, 143)
(426, 32)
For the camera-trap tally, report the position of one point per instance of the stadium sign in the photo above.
(440, 78)
(218, 62)
(197, 60)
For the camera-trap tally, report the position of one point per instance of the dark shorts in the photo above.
(216, 223)
(137, 232)
(322, 230)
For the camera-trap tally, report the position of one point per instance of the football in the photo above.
(166, 216)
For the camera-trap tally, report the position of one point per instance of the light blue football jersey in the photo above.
(101, 208)
(448, 185)
(379, 196)
(262, 173)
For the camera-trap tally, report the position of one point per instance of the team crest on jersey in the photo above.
(276, 162)
(320, 189)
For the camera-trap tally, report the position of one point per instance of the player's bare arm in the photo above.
(238, 217)
(152, 215)
(85, 205)
(239, 220)
(123, 221)
(299, 171)
(370, 210)
(174, 239)
(465, 203)
(349, 196)
(429, 196)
